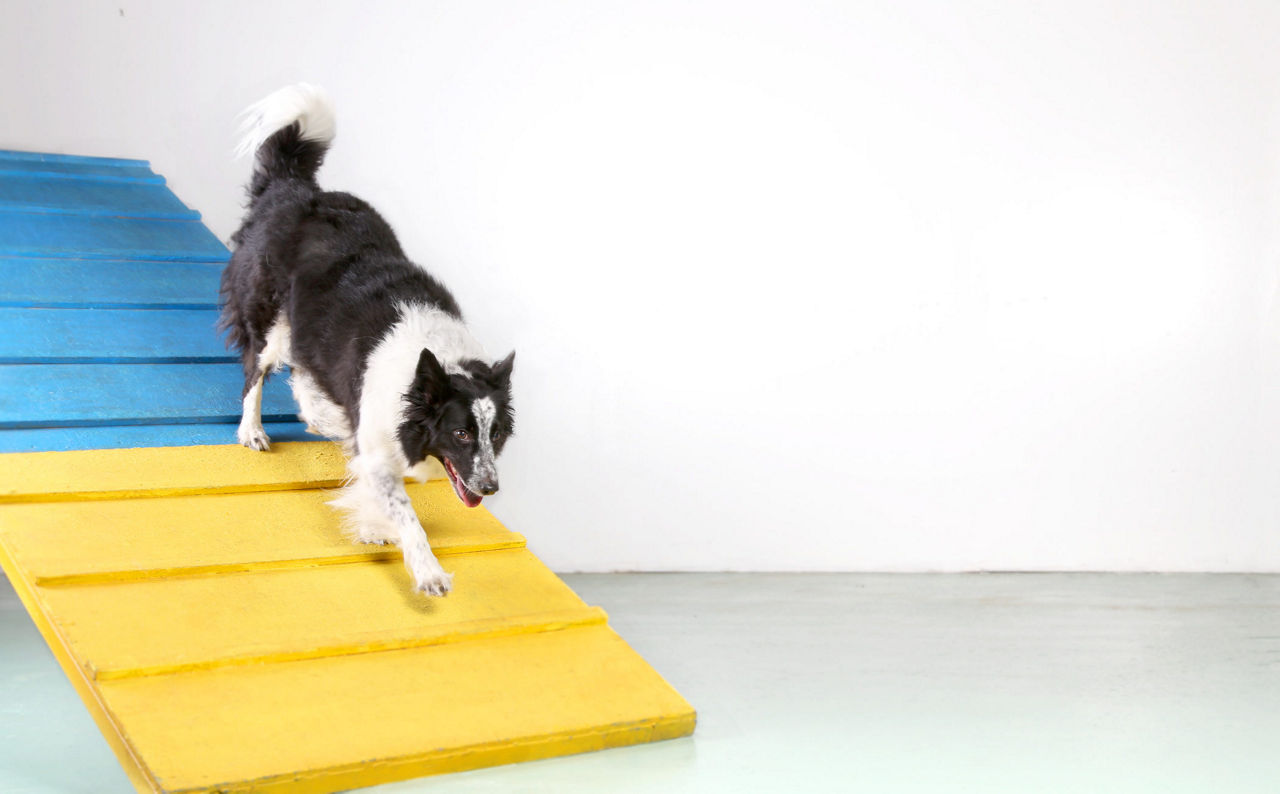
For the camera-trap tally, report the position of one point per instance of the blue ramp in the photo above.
(108, 306)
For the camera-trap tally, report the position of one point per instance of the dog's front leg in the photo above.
(394, 502)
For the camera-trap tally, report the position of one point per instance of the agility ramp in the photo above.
(220, 629)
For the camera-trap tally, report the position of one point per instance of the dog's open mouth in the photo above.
(469, 497)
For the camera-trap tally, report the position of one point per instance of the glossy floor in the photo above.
(852, 683)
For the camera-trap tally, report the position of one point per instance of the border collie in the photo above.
(381, 360)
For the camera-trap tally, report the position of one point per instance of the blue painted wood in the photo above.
(54, 170)
(92, 197)
(50, 157)
(27, 234)
(39, 439)
(108, 283)
(100, 263)
(86, 395)
(109, 336)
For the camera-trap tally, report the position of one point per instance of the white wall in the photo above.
(835, 286)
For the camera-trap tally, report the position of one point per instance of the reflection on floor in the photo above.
(850, 682)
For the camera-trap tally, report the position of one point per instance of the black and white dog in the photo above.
(381, 360)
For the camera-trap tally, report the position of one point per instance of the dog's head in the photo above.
(464, 420)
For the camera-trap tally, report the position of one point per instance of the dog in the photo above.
(380, 358)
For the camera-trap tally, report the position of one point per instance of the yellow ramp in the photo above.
(226, 637)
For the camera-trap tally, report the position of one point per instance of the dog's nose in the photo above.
(488, 487)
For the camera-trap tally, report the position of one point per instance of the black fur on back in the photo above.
(327, 260)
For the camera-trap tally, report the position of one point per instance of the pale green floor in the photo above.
(858, 683)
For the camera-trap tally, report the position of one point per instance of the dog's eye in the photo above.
(462, 435)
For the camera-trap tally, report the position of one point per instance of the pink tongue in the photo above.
(464, 493)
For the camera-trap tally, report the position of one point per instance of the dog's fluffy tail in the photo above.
(289, 132)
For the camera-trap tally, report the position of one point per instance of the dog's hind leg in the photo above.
(261, 358)
(251, 433)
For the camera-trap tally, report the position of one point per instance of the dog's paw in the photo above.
(254, 438)
(433, 582)
(373, 537)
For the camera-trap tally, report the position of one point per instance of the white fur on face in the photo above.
(390, 370)
(484, 467)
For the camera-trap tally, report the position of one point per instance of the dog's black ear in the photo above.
(502, 370)
(430, 379)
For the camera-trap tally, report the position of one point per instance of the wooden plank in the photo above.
(161, 626)
(132, 539)
(28, 234)
(7, 155)
(26, 164)
(170, 471)
(106, 283)
(37, 439)
(36, 193)
(116, 336)
(85, 395)
(342, 722)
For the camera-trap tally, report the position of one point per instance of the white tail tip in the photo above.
(308, 105)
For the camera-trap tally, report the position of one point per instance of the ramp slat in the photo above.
(163, 471)
(96, 336)
(10, 155)
(52, 395)
(62, 542)
(337, 723)
(61, 166)
(35, 193)
(199, 622)
(106, 283)
(30, 234)
(36, 439)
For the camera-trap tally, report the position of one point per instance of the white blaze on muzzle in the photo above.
(484, 468)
